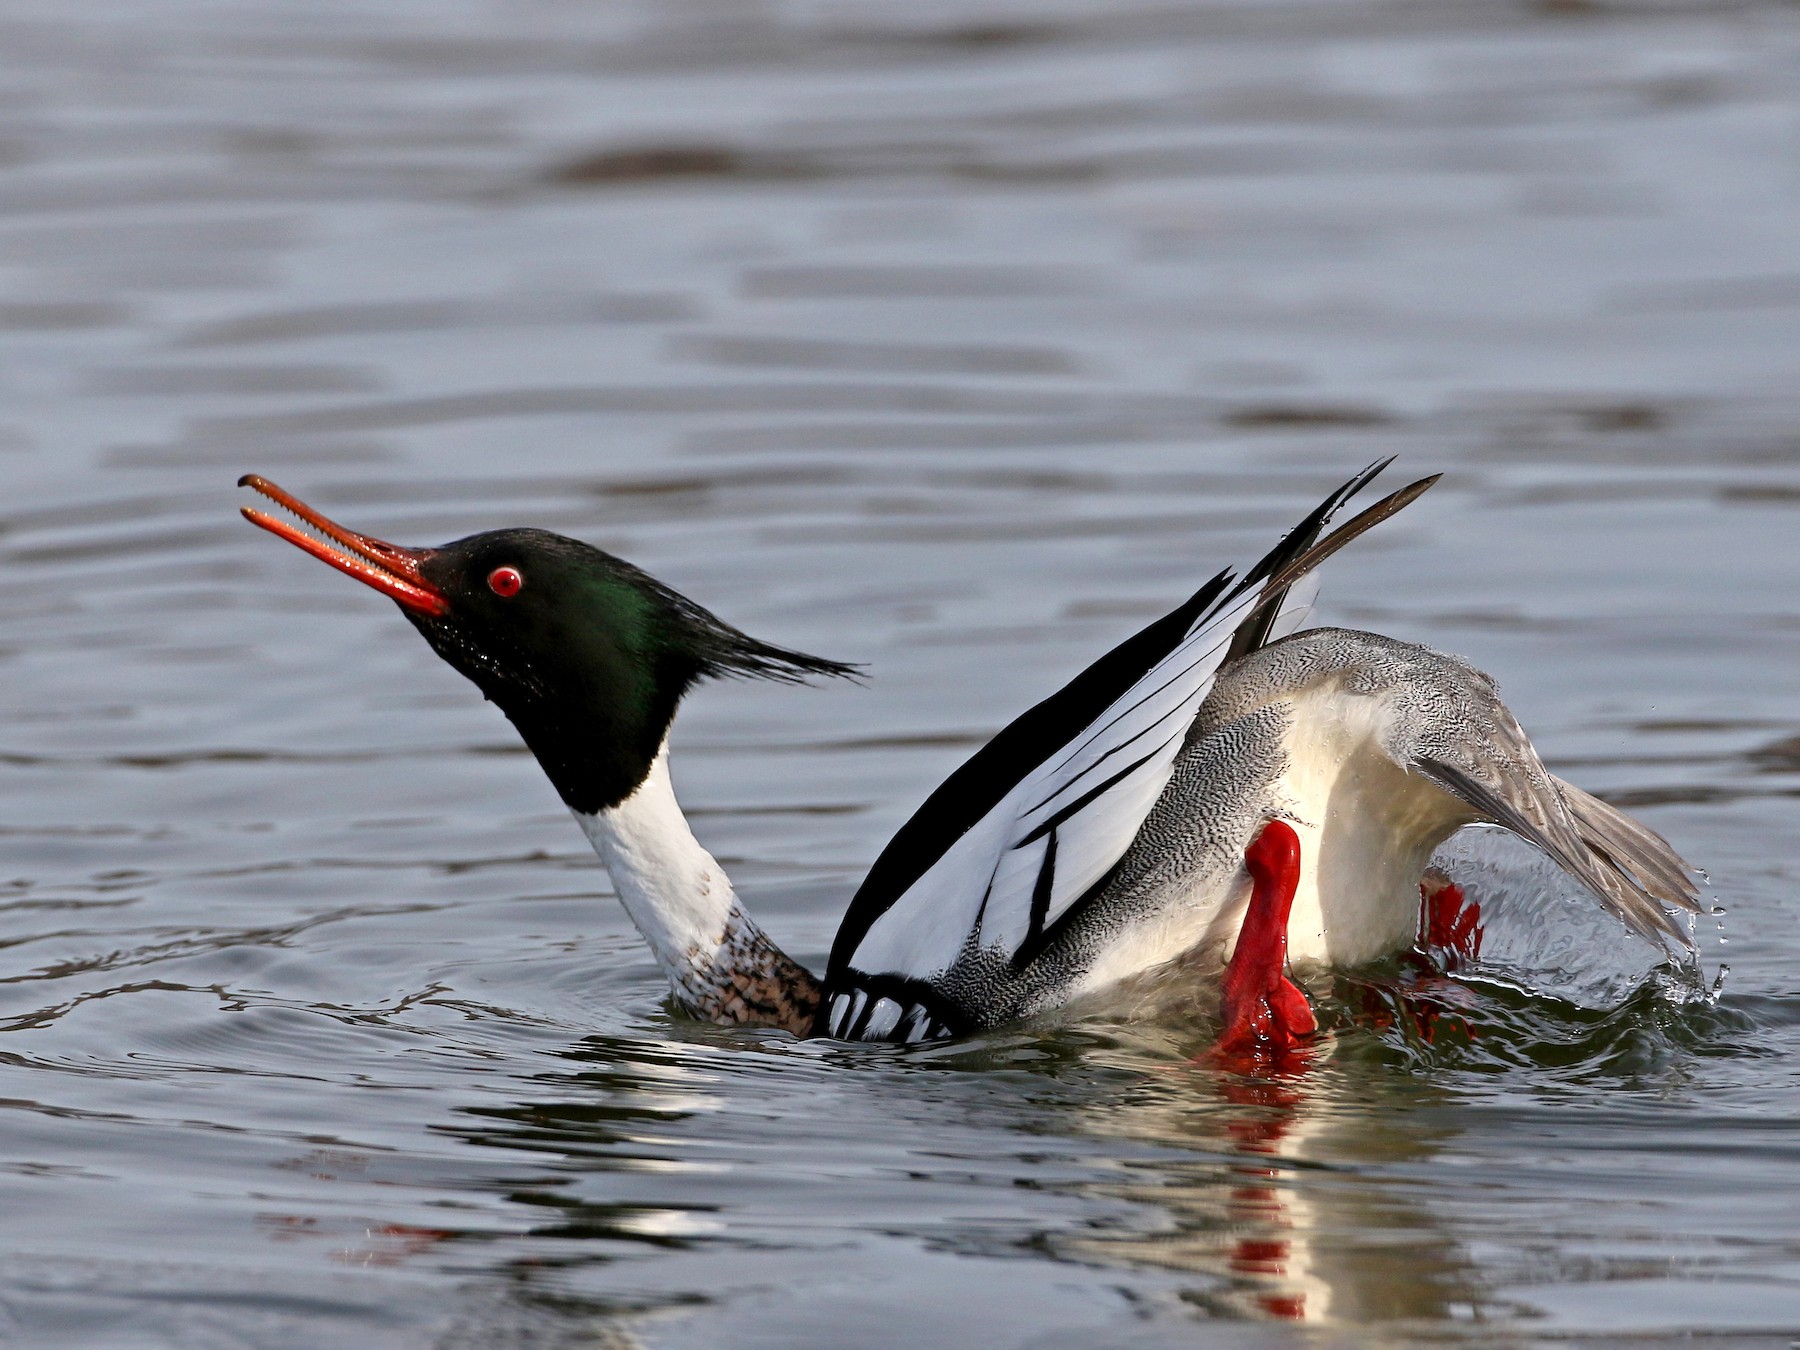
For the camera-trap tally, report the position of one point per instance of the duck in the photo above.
(1220, 799)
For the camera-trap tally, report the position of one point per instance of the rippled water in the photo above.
(957, 340)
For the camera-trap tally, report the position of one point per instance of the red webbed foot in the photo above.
(1449, 923)
(1265, 1014)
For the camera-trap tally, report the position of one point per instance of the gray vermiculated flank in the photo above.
(1190, 845)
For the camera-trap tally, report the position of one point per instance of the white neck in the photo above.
(673, 889)
(721, 965)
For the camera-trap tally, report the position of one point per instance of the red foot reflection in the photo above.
(1267, 1049)
(1267, 1037)
(1257, 1205)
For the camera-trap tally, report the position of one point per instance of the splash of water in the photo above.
(1558, 983)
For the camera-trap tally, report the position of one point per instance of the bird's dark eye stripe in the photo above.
(505, 582)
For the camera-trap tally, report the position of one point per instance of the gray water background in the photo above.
(956, 339)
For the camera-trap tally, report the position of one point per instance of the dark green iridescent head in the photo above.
(588, 655)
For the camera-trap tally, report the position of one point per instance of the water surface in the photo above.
(956, 340)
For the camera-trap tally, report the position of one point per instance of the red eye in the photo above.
(505, 582)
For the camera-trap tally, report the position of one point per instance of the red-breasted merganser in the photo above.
(1218, 793)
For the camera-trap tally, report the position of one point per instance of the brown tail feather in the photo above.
(1633, 848)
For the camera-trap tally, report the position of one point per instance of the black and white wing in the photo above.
(1009, 850)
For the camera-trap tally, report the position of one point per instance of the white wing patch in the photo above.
(1065, 824)
(1296, 607)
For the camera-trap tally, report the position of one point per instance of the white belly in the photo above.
(1367, 829)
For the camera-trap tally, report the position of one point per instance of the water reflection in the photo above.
(1290, 1199)
(1300, 1203)
(1311, 1193)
